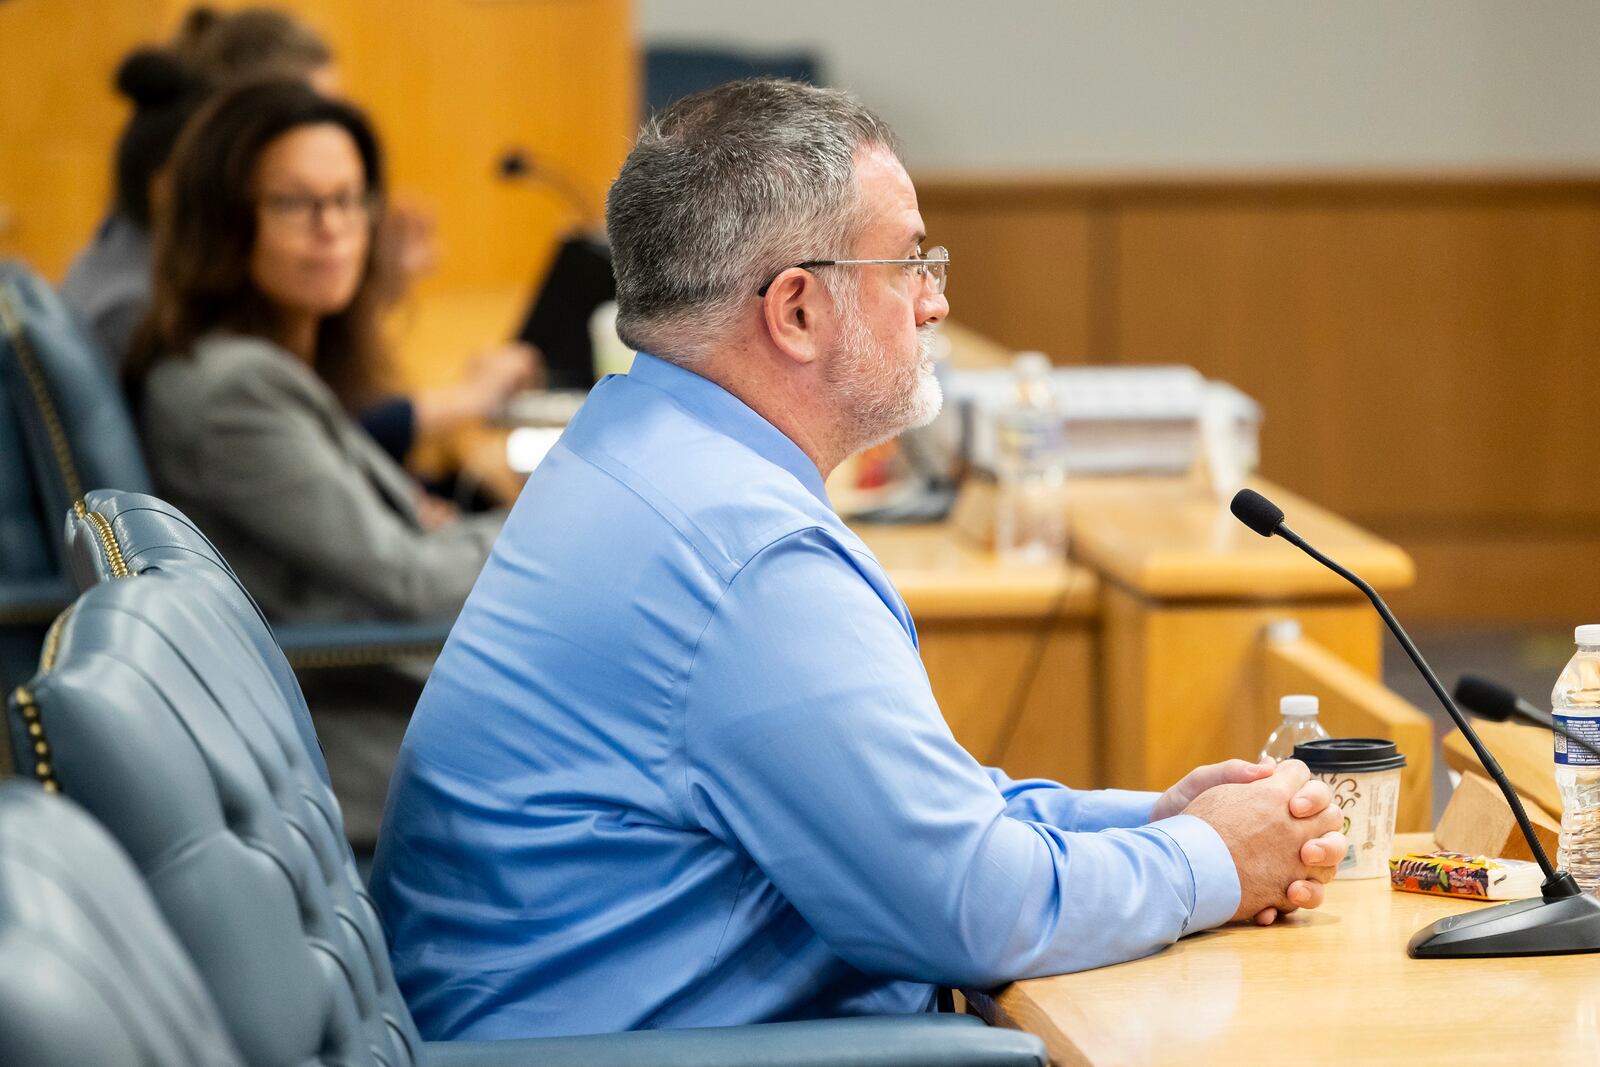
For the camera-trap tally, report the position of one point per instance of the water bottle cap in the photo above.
(1031, 365)
(1588, 635)
(1285, 631)
(1299, 706)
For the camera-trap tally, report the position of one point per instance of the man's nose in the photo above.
(932, 309)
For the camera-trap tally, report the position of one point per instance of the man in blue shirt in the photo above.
(679, 763)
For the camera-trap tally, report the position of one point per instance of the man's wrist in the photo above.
(1216, 877)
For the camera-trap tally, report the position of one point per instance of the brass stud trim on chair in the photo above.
(28, 708)
(52, 642)
(108, 538)
(43, 769)
(28, 361)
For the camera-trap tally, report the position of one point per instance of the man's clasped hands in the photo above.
(1280, 826)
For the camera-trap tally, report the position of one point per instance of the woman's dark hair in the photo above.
(204, 240)
(165, 93)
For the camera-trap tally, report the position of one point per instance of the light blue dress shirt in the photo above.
(679, 765)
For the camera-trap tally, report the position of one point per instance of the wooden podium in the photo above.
(1193, 653)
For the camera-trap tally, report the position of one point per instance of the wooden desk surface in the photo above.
(1333, 986)
(1169, 538)
(942, 575)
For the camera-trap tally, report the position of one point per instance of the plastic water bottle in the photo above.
(1031, 514)
(1575, 702)
(1299, 725)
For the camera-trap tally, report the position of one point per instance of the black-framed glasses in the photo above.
(305, 212)
(933, 266)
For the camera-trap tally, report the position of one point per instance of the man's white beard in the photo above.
(928, 400)
(879, 400)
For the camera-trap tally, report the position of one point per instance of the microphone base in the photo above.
(1536, 927)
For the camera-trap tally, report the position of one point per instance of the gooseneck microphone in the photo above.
(1565, 919)
(1257, 512)
(1266, 519)
(1493, 701)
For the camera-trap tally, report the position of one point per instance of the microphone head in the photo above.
(1486, 699)
(1256, 512)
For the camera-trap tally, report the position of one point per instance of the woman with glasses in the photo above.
(212, 52)
(109, 282)
(262, 337)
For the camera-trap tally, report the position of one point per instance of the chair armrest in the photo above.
(884, 1041)
(34, 600)
(351, 644)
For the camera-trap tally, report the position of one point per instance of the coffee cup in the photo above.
(1363, 773)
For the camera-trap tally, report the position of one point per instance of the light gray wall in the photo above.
(1008, 85)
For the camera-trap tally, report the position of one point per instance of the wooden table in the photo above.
(1333, 986)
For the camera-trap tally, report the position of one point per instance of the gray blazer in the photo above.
(317, 520)
(109, 284)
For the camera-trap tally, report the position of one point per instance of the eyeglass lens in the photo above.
(936, 268)
(308, 211)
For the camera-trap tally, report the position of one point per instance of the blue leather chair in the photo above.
(154, 709)
(33, 586)
(90, 973)
(60, 401)
(153, 536)
(74, 422)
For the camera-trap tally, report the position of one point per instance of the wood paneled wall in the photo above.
(59, 120)
(1427, 349)
(450, 84)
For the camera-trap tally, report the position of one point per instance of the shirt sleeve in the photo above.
(1041, 800)
(813, 743)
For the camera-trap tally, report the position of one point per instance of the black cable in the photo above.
(1034, 664)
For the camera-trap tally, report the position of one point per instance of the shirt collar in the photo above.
(720, 409)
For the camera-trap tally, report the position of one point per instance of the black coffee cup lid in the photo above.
(1349, 755)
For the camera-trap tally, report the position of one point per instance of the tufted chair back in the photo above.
(25, 551)
(112, 533)
(32, 585)
(89, 971)
(74, 422)
(153, 709)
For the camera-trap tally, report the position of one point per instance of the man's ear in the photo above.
(797, 311)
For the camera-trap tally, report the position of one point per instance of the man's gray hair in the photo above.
(723, 190)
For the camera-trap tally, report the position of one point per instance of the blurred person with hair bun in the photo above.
(109, 281)
(253, 44)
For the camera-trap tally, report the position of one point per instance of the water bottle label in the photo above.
(1583, 727)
